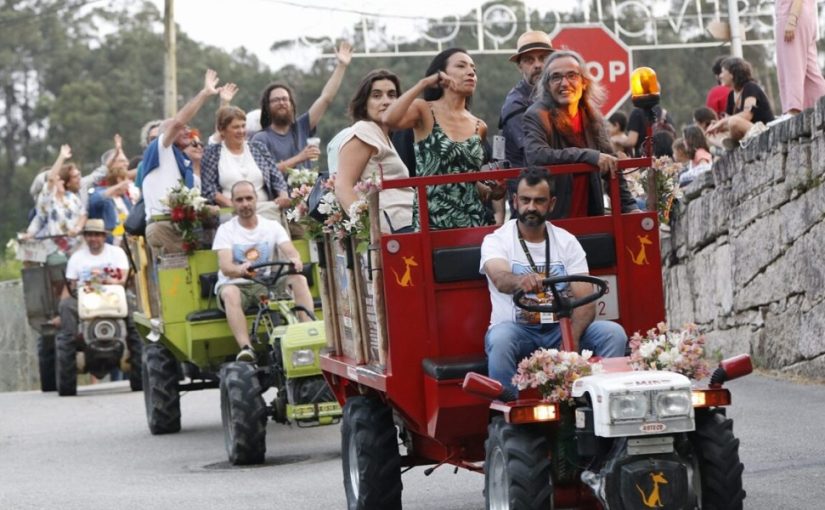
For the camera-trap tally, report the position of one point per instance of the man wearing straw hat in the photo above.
(531, 50)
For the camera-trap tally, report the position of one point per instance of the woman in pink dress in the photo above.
(800, 80)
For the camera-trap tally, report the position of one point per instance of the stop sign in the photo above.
(608, 59)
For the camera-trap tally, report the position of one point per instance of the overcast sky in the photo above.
(256, 24)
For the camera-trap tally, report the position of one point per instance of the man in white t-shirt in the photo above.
(165, 165)
(105, 263)
(518, 256)
(245, 240)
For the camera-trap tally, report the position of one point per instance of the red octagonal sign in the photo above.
(608, 59)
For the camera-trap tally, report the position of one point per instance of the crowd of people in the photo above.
(550, 116)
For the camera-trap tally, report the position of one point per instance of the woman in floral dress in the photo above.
(448, 139)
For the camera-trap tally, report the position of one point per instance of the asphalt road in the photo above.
(94, 451)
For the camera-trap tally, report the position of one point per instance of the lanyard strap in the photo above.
(530, 257)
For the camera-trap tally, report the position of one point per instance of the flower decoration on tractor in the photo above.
(553, 372)
(187, 211)
(681, 351)
(667, 192)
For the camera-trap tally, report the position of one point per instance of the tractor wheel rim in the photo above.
(499, 491)
(354, 474)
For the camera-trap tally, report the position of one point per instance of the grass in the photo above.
(9, 269)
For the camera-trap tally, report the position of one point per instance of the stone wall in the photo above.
(18, 342)
(746, 256)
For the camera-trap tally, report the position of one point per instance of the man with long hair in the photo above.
(285, 135)
(564, 125)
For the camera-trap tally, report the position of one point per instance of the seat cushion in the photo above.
(454, 367)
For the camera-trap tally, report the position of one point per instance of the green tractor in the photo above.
(189, 346)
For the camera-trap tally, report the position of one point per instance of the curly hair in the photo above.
(740, 69)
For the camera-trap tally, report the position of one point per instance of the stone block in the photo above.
(757, 206)
(800, 215)
(813, 369)
(778, 346)
(818, 158)
(771, 285)
(797, 167)
(711, 282)
(678, 295)
(755, 247)
(725, 343)
(811, 340)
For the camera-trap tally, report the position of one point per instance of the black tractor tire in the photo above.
(369, 454)
(243, 413)
(136, 366)
(160, 389)
(517, 470)
(717, 454)
(65, 366)
(46, 360)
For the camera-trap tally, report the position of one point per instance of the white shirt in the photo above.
(158, 182)
(233, 168)
(83, 263)
(248, 245)
(567, 257)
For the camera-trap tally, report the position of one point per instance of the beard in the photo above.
(532, 218)
(282, 117)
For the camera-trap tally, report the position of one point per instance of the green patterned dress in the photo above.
(450, 205)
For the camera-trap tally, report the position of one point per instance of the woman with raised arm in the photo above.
(366, 151)
(448, 138)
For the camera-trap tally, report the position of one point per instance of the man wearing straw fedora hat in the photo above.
(531, 50)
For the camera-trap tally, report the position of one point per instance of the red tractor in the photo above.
(633, 440)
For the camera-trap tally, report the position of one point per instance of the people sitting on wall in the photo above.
(748, 108)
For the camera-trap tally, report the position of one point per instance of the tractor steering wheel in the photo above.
(284, 268)
(562, 306)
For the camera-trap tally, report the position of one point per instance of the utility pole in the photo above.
(735, 29)
(170, 69)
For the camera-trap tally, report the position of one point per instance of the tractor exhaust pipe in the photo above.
(730, 369)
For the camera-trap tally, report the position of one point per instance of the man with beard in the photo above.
(519, 255)
(245, 240)
(285, 135)
(532, 48)
(564, 125)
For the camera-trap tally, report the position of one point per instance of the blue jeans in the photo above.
(507, 343)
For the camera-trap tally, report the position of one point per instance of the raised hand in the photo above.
(344, 53)
(227, 92)
(210, 82)
(118, 142)
(65, 151)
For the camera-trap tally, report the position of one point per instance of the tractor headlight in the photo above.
(673, 403)
(632, 406)
(303, 357)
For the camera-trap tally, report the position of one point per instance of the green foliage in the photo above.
(61, 81)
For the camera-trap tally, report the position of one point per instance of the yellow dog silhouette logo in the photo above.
(405, 280)
(654, 500)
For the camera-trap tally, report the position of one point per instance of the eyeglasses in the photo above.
(279, 100)
(570, 76)
(196, 144)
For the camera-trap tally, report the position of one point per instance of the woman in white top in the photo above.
(235, 159)
(367, 151)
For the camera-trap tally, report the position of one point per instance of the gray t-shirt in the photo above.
(283, 147)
